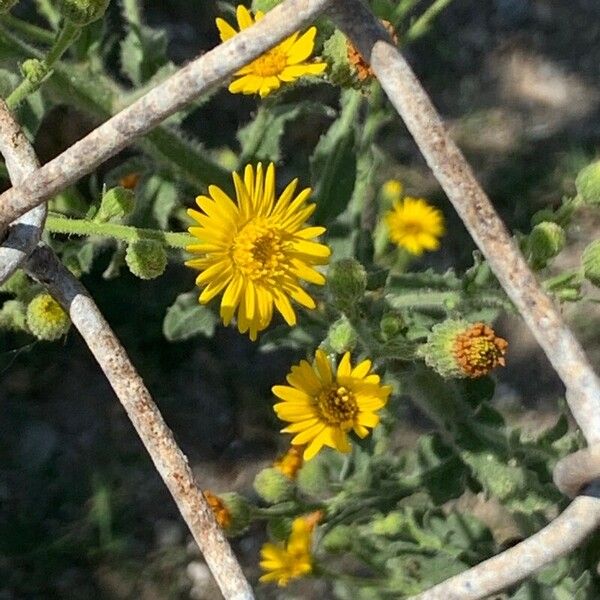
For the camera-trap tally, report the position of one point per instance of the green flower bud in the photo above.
(240, 512)
(18, 284)
(335, 52)
(591, 262)
(339, 539)
(6, 5)
(546, 240)
(46, 319)
(34, 70)
(117, 203)
(83, 12)
(588, 183)
(273, 486)
(312, 478)
(341, 336)
(13, 316)
(391, 525)
(347, 282)
(146, 259)
(458, 349)
(391, 325)
(264, 5)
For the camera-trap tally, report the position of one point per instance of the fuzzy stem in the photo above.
(126, 233)
(423, 23)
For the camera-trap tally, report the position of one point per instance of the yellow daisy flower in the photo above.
(284, 63)
(256, 250)
(292, 560)
(322, 407)
(415, 225)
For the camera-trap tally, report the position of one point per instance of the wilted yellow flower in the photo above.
(292, 560)
(291, 462)
(256, 250)
(284, 63)
(222, 514)
(415, 225)
(322, 407)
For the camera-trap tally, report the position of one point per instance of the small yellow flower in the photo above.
(284, 63)
(415, 225)
(292, 560)
(392, 189)
(291, 462)
(256, 250)
(322, 407)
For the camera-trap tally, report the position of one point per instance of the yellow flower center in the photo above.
(269, 64)
(478, 350)
(411, 228)
(259, 251)
(337, 406)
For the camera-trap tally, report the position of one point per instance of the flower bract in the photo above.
(256, 250)
(284, 63)
(324, 407)
(415, 225)
(282, 563)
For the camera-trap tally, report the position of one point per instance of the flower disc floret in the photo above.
(323, 407)
(284, 63)
(256, 250)
(415, 225)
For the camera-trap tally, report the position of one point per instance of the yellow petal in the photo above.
(244, 18)
(344, 367)
(302, 47)
(323, 367)
(290, 394)
(226, 31)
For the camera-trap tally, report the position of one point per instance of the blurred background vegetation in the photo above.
(83, 514)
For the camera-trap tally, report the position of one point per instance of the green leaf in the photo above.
(333, 163)
(261, 138)
(165, 199)
(186, 319)
(143, 53)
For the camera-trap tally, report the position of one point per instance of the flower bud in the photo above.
(312, 478)
(588, 183)
(17, 284)
(46, 319)
(222, 515)
(117, 203)
(458, 349)
(392, 191)
(240, 512)
(13, 316)
(391, 325)
(130, 181)
(83, 12)
(341, 336)
(546, 240)
(34, 70)
(273, 486)
(591, 263)
(339, 539)
(347, 282)
(146, 259)
(6, 5)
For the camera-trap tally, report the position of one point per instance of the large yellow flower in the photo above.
(256, 250)
(282, 563)
(415, 225)
(323, 408)
(284, 63)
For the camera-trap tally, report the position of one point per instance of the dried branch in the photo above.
(158, 439)
(566, 355)
(199, 76)
(24, 234)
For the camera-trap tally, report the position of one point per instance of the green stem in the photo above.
(43, 36)
(423, 23)
(126, 233)
(67, 35)
(132, 12)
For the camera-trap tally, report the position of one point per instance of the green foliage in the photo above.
(186, 319)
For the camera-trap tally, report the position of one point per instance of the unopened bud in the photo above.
(46, 319)
(117, 203)
(83, 12)
(392, 191)
(588, 183)
(34, 70)
(347, 282)
(273, 486)
(146, 259)
(546, 240)
(341, 336)
(312, 478)
(13, 316)
(239, 512)
(391, 325)
(392, 524)
(591, 262)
